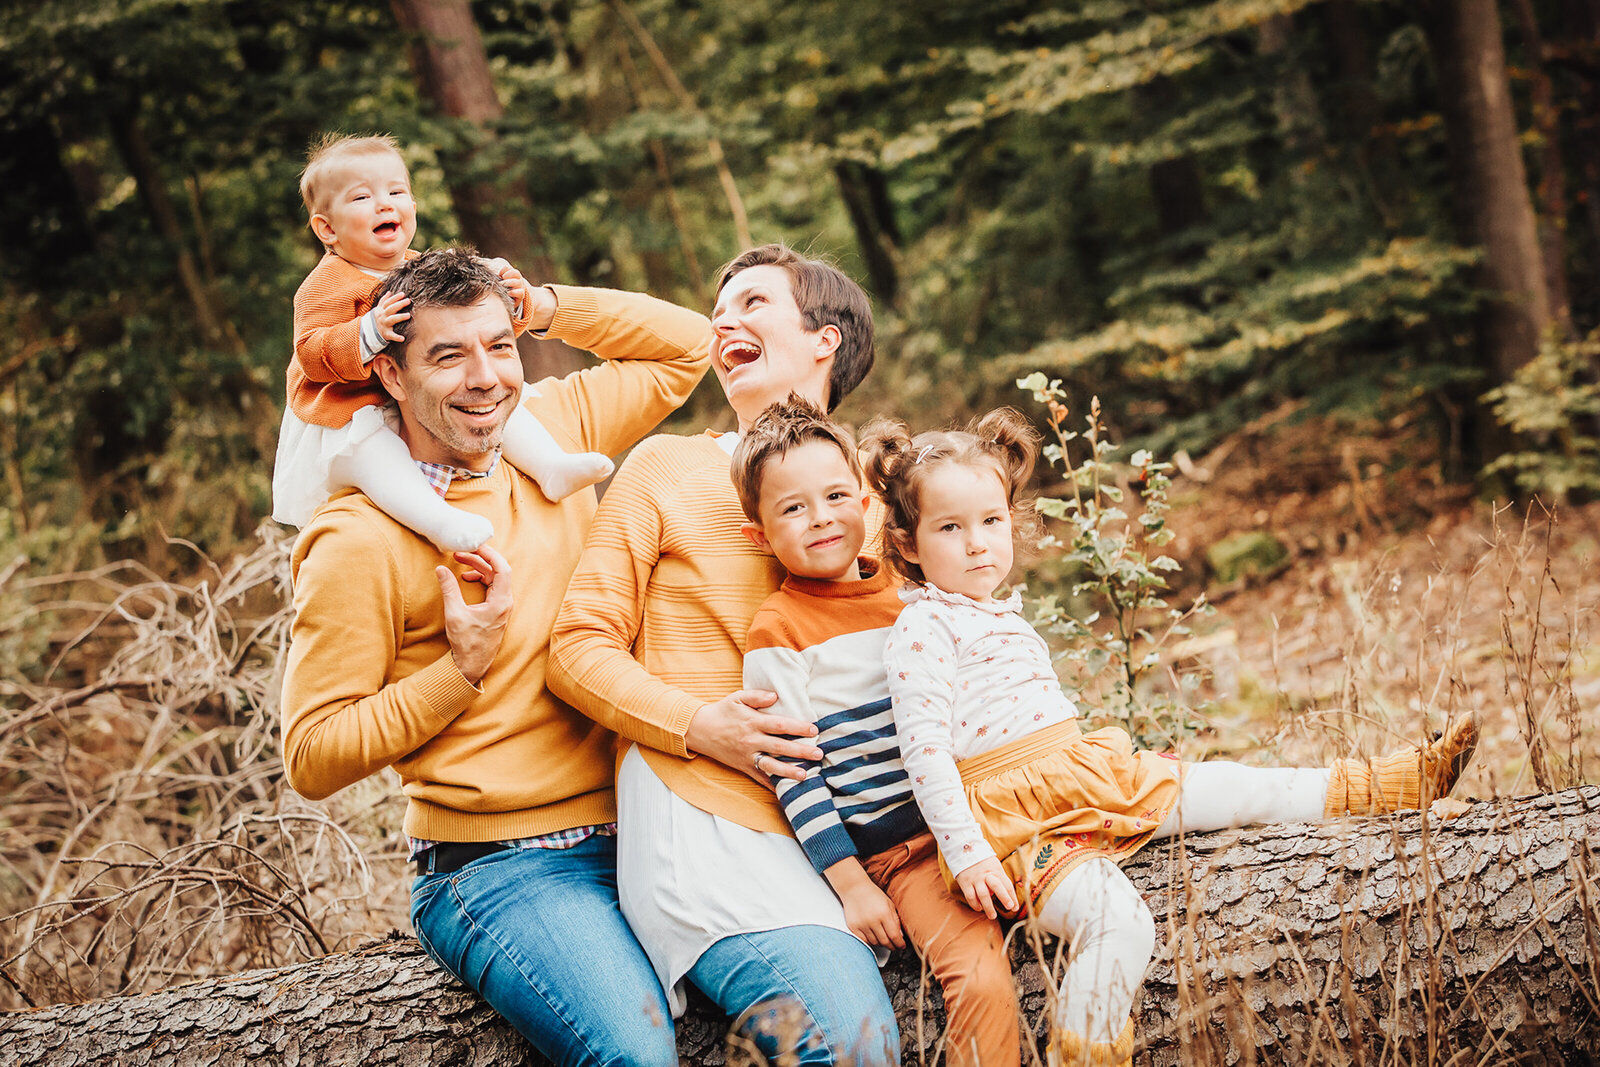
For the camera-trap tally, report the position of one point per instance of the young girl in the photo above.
(337, 428)
(1019, 800)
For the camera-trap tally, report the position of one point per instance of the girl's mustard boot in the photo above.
(1405, 779)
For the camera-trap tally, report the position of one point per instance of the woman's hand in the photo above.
(984, 885)
(735, 731)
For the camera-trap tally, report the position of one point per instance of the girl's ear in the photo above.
(904, 545)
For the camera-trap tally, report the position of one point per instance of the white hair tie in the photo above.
(923, 452)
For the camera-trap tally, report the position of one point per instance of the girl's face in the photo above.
(963, 536)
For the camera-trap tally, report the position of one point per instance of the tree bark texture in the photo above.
(452, 70)
(1493, 206)
(1402, 940)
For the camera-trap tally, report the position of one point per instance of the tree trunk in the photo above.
(1552, 212)
(1493, 207)
(1380, 941)
(865, 192)
(452, 71)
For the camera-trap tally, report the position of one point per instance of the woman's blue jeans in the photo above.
(803, 994)
(538, 934)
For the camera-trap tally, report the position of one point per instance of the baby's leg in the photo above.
(1218, 794)
(1112, 937)
(528, 446)
(381, 467)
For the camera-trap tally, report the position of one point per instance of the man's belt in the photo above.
(450, 856)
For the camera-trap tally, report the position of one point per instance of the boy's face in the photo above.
(369, 218)
(813, 513)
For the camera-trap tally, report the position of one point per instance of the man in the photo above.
(403, 657)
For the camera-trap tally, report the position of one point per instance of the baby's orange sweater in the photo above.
(370, 682)
(328, 382)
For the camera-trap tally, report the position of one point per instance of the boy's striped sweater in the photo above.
(819, 646)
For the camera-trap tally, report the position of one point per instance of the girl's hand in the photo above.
(984, 884)
(735, 732)
(389, 311)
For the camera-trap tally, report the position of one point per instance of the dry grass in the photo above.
(148, 837)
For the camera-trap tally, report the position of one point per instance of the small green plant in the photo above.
(1552, 405)
(1118, 567)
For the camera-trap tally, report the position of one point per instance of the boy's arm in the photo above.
(655, 353)
(808, 804)
(920, 657)
(343, 718)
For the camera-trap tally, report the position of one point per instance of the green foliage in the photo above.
(1553, 406)
(1120, 571)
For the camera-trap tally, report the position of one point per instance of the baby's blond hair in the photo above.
(327, 152)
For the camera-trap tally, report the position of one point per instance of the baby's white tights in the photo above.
(381, 467)
(1110, 929)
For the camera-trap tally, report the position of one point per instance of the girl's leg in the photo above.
(528, 446)
(1112, 937)
(1218, 794)
(381, 467)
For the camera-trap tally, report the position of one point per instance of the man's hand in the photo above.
(984, 885)
(389, 311)
(868, 911)
(476, 630)
(735, 732)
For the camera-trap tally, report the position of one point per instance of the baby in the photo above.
(338, 425)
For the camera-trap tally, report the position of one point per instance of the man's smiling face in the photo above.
(761, 350)
(461, 382)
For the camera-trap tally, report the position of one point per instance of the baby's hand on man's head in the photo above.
(388, 312)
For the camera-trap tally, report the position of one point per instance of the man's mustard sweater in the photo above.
(370, 682)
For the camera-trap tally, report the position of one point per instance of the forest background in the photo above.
(1378, 220)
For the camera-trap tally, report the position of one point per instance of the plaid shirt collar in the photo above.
(440, 475)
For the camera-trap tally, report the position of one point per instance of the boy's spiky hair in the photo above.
(786, 425)
(326, 151)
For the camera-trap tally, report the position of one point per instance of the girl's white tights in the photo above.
(1110, 930)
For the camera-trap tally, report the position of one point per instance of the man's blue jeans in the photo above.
(538, 934)
(809, 991)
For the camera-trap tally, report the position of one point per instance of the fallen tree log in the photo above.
(1384, 941)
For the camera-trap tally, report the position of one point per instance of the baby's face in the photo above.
(370, 218)
(813, 512)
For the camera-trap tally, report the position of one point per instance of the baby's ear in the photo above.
(756, 536)
(323, 228)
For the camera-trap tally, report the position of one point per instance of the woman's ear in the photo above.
(826, 341)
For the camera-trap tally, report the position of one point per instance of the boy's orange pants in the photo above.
(963, 948)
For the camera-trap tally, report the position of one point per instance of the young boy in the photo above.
(335, 429)
(818, 644)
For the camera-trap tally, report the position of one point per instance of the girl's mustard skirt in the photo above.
(1057, 797)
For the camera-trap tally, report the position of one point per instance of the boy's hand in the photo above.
(984, 885)
(870, 914)
(868, 911)
(389, 311)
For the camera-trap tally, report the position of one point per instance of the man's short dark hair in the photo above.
(443, 278)
(824, 294)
